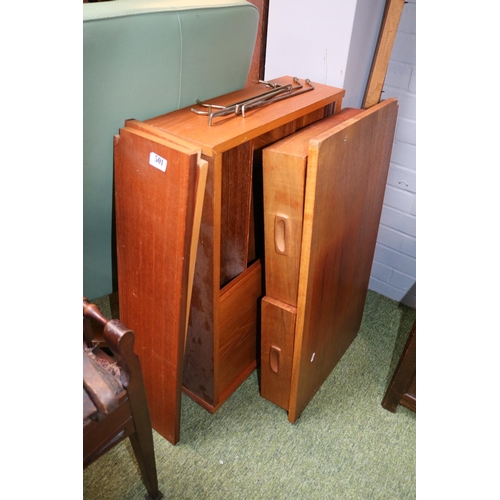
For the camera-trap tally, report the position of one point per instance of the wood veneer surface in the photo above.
(235, 210)
(155, 214)
(346, 178)
(230, 131)
(278, 335)
(227, 246)
(284, 171)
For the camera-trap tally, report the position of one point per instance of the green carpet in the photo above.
(344, 446)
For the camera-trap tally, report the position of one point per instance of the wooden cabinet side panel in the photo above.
(199, 361)
(239, 325)
(278, 332)
(154, 225)
(345, 186)
(235, 210)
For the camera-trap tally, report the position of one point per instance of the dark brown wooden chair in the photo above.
(114, 400)
(402, 389)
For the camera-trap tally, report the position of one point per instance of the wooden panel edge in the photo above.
(385, 43)
(201, 180)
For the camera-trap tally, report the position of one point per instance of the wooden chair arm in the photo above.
(118, 338)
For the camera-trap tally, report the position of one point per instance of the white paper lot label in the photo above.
(157, 161)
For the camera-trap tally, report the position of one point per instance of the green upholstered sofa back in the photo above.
(141, 59)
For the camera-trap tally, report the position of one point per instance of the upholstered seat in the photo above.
(141, 59)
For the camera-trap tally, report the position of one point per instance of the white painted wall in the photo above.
(309, 39)
(364, 37)
(328, 41)
(333, 42)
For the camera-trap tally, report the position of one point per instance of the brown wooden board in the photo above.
(284, 173)
(259, 55)
(278, 334)
(203, 331)
(382, 56)
(230, 131)
(201, 182)
(235, 211)
(211, 379)
(346, 177)
(155, 223)
(238, 334)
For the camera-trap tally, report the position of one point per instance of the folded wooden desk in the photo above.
(222, 345)
(323, 193)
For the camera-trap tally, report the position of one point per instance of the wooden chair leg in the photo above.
(142, 445)
(401, 389)
(142, 439)
(121, 340)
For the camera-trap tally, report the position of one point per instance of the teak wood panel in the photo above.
(238, 346)
(212, 374)
(218, 316)
(219, 321)
(346, 177)
(198, 378)
(284, 174)
(277, 343)
(380, 63)
(235, 210)
(156, 229)
(230, 131)
(199, 371)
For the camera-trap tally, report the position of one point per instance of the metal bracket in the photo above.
(277, 93)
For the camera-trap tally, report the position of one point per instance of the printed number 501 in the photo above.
(157, 162)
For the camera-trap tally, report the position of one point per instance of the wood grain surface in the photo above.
(230, 131)
(223, 320)
(278, 335)
(284, 173)
(346, 177)
(155, 214)
(235, 210)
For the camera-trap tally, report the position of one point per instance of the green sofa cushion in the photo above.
(141, 59)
